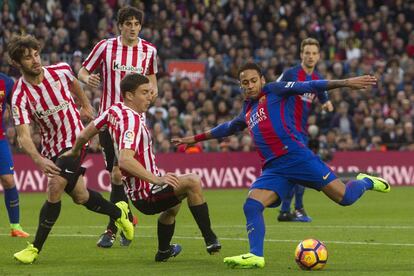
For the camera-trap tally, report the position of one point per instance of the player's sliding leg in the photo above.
(11, 200)
(165, 232)
(190, 186)
(300, 213)
(285, 214)
(253, 210)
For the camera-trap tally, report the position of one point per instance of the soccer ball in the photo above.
(311, 254)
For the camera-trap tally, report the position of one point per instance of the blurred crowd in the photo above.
(357, 37)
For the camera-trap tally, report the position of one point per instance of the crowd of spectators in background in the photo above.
(357, 37)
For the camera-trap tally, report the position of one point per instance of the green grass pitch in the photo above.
(375, 236)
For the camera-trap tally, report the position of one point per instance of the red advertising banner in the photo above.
(225, 170)
(194, 70)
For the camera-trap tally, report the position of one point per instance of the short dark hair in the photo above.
(18, 44)
(309, 41)
(250, 66)
(131, 82)
(128, 12)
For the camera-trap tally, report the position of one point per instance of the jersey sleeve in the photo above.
(101, 122)
(95, 58)
(323, 96)
(129, 133)
(20, 106)
(153, 66)
(66, 70)
(290, 88)
(230, 127)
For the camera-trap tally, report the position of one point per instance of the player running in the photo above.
(285, 158)
(11, 195)
(43, 95)
(114, 58)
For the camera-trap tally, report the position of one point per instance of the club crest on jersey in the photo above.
(129, 136)
(116, 66)
(2, 94)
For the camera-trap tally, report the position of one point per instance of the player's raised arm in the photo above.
(222, 130)
(298, 88)
(26, 143)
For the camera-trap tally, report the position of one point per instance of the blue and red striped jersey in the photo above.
(269, 119)
(301, 105)
(6, 86)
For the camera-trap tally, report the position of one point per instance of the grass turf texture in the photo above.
(375, 236)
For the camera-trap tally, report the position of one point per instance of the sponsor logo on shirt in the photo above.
(45, 113)
(127, 68)
(257, 117)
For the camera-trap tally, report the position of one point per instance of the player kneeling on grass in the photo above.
(43, 95)
(285, 158)
(148, 190)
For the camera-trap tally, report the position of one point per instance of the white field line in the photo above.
(281, 225)
(239, 239)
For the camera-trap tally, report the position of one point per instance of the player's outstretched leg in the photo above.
(300, 213)
(285, 214)
(348, 194)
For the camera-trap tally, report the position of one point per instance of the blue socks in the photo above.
(299, 191)
(354, 190)
(11, 199)
(253, 210)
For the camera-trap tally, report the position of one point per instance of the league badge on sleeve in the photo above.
(129, 136)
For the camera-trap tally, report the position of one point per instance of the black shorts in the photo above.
(108, 150)
(70, 168)
(161, 198)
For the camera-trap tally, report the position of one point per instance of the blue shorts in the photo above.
(6, 160)
(298, 167)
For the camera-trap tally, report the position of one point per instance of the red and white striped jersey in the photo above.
(51, 106)
(129, 131)
(115, 61)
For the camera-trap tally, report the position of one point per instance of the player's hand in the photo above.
(48, 167)
(169, 179)
(183, 141)
(87, 112)
(94, 80)
(328, 106)
(361, 82)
